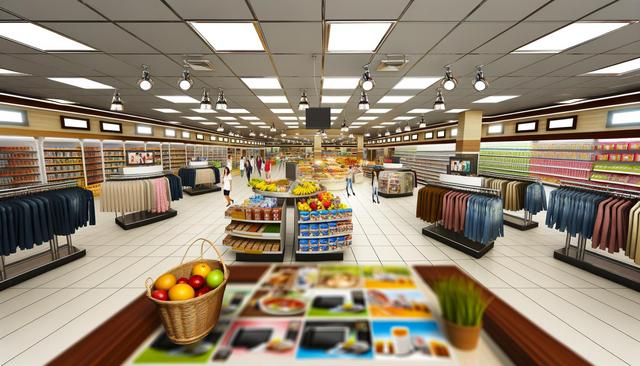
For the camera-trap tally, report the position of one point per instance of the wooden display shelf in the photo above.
(19, 175)
(67, 178)
(64, 171)
(19, 183)
(250, 235)
(19, 167)
(254, 221)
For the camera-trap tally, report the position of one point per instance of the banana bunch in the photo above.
(305, 187)
(260, 185)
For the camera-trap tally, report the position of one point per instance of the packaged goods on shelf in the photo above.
(256, 208)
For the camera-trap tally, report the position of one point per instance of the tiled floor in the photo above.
(41, 317)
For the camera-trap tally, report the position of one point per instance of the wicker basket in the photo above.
(188, 321)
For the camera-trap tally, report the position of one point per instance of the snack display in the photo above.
(324, 224)
(256, 208)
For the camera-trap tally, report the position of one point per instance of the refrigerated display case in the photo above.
(396, 183)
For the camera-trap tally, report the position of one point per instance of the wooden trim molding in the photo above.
(613, 134)
(115, 340)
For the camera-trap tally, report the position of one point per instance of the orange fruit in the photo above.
(181, 291)
(201, 269)
(165, 282)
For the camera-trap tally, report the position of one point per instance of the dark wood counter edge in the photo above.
(524, 342)
(117, 338)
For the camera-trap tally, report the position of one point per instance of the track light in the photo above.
(304, 102)
(324, 134)
(479, 82)
(363, 105)
(205, 102)
(273, 127)
(387, 133)
(186, 82)
(252, 134)
(344, 127)
(221, 102)
(422, 124)
(367, 134)
(231, 134)
(283, 134)
(407, 128)
(116, 102)
(398, 129)
(350, 135)
(366, 82)
(220, 129)
(379, 134)
(448, 82)
(438, 105)
(145, 83)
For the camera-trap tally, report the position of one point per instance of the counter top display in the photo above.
(284, 188)
(396, 183)
(331, 173)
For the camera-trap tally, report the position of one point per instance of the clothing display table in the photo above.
(200, 179)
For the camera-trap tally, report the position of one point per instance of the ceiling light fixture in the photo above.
(438, 105)
(398, 129)
(363, 105)
(304, 102)
(456, 110)
(387, 133)
(448, 82)
(220, 129)
(422, 124)
(116, 102)
(330, 99)
(394, 99)
(367, 134)
(356, 37)
(366, 82)
(283, 134)
(273, 127)
(618, 69)
(479, 82)
(416, 83)
(350, 135)
(323, 133)
(221, 102)
(420, 110)
(205, 102)
(407, 128)
(262, 83)
(229, 37)
(344, 127)
(185, 82)
(569, 101)
(83, 83)
(340, 82)
(40, 38)
(145, 83)
(495, 98)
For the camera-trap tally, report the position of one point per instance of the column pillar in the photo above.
(360, 146)
(317, 147)
(468, 139)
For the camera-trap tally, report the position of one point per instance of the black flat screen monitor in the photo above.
(318, 118)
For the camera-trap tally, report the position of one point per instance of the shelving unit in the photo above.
(330, 254)
(166, 159)
(154, 147)
(19, 164)
(428, 164)
(93, 164)
(63, 161)
(178, 156)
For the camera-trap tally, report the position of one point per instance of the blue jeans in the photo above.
(374, 194)
(350, 185)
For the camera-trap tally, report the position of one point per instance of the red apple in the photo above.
(182, 280)
(203, 291)
(161, 295)
(313, 205)
(196, 281)
(326, 204)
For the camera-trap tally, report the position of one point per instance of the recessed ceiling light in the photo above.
(174, 122)
(195, 118)
(226, 118)
(388, 99)
(231, 123)
(378, 110)
(208, 123)
(166, 110)
(403, 118)
(179, 99)
(257, 123)
(290, 123)
(333, 118)
(264, 127)
(241, 127)
(38, 37)
(229, 36)
(273, 99)
(250, 118)
(416, 83)
(340, 83)
(496, 98)
(282, 110)
(83, 83)
(204, 111)
(420, 110)
(378, 127)
(359, 123)
(388, 123)
(5, 72)
(456, 110)
(237, 110)
(262, 83)
(356, 36)
(288, 118)
(367, 118)
(336, 110)
(569, 101)
(618, 69)
(570, 36)
(61, 101)
(296, 126)
(329, 99)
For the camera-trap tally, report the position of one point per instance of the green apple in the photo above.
(215, 278)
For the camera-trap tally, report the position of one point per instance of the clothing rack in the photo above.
(604, 266)
(201, 188)
(451, 238)
(521, 223)
(34, 265)
(141, 218)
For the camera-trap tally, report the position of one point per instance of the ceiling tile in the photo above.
(590, 64)
(549, 64)
(296, 65)
(168, 37)
(249, 64)
(469, 35)
(293, 37)
(106, 37)
(509, 63)
(345, 64)
(403, 37)
(518, 36)
(567, 10)
(505, 10)
(619, 38)
(211, 9)
(160, 65)
(102, 63)
(621, 9)
(296, 10)
(132, 10)
(43, 10)
(460, 64)
(52, 65)
(364, 9)
(220, 69)
(429, 10)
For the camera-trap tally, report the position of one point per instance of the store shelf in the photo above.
(321, 221)
(249, 235)
(560, 167)
(559, 175)
(19, 167)
(64, 171)
(59, 179)
(325, 236)
(613, 182)
(320, 252)
(19, 183)
(19, 175)
(254, 221)
(504, 170)
(505, 156)
(616, 172)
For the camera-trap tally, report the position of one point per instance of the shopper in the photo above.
(229, 162)
(242, 160)
(226, 185)
(259, 165)
(350, 180)
(374, 186)
(247, 167)
(267, 168)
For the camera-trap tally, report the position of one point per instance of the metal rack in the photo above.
(521, 223)
(24, 269)
(604, 266)
(141, 218)
(457, 240)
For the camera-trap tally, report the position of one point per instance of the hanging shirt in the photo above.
(226, 182)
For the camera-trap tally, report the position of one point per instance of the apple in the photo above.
(203, 290)
(161, 295)
(196, 281)
(215, 278)
(183, 280)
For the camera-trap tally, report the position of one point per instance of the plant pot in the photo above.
(461, 337)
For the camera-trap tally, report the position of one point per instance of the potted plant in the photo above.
(462, 305)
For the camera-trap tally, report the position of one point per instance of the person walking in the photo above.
(242, 161)
(229, 162)
(350, 181)
(267, 168)
(226, 186)
(374, 186)
(259, 165)
(247, 167)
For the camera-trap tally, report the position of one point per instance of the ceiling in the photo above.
(431, 33)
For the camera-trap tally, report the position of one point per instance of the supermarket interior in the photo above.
(407, 182)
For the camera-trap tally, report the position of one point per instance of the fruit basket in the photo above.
(188, 318)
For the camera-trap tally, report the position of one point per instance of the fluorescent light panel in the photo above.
(570, 36)
(569, 101)
(5, 72)
(456, 110)
(356, 36)
(340, 83)
(416, 83)
(166, 110)
(226, 118)
(229, 36)
(388, 123)
(204, 111)
(196, 118)
(273, 99)
(61, 101)
(83, 83)
(378, 110)
(403, 118)
(282, 110)
(231, 123)
(40, 38)
(261, 83)
(264, 127)
(250, 118)
(288, 118)
(336, 110)
(329, 99)
(367, 118)
(495, 98)
(178, 99)
(420, 110)
(208, 123)
(257, 123)
(618, 69)
(237, 110)
(393, 99)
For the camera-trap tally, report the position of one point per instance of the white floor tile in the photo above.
(387, 253)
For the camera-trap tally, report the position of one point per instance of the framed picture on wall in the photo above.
(428, 135)
(529, 126)
(75, 123)
(113, 127)
(441, 134)
(562, 123)
(414, 137)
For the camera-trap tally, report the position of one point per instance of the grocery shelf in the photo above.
(253, 221)
(321, 221)
(616, 172)
(504, 169)
(325, 236)
(339, 250)
(613, 182)
(560, 167)
(559, 175)
(505, 156)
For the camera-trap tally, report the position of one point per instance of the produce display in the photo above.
(324, 224)
(280, 185)
(306, 187)
(323, 201)
(169, 288)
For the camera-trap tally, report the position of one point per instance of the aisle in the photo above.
(43, 316)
